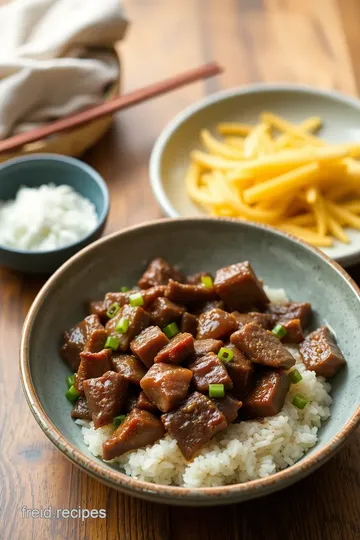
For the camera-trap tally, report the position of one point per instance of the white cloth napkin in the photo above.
(52, 58)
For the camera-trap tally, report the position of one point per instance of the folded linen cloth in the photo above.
(53, 58)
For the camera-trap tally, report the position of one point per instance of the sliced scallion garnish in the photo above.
(113, 310)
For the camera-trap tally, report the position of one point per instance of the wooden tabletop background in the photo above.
(305, 41)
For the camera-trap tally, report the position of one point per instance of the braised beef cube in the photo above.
(195, 279)
(266, 320)
(241, 371)
(105, 396)
(143, 402)
(216, 324)
(92, 365)
(268, 395)
(75, 340)
(166, 385)
(163, 311)
(262, 347)
(198, 309)
(130, 367)
(152, 294)
(177, 351)
(120, 298)
(139, 429)
(148, 343)
(321, 354)
(204, 346)
(189, 324)
(239, 287)
(80, 409)
(194, 423)
(189, 294)
(229, 406)
(96, 341)
(98, 308)
(209, 369)
(291, 310)
(294, 332)
(138, 319)
(158, 273)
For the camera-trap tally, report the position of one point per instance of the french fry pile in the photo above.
(279, 173)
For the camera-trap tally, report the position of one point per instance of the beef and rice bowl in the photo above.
(199, 380)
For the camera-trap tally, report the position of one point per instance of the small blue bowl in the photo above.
(39, 169)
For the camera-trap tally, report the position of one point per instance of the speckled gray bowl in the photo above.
(193, 244)
(34, 171)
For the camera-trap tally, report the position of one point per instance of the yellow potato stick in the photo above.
(285, 139)
(236, 142)
(282, 184)
(337, 231)
(283, 125)
(214, 162)
(218, 148)
(321, 216)
(303, 220)
(253, 141)
(234, 128)
(293, 158)
(313, 123)
(353, 149)
(191, 181)
(265, 145)
(309, 236)
(341, 213)
(311, 195)
(240, 179)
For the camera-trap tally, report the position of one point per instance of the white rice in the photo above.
(45, 218)
(244, 451)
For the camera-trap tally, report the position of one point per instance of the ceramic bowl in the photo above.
(33, 171)
(170, 156)
(193, 244)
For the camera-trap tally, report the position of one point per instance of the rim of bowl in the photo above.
(76, 163)
(132, 486)
(156, 180)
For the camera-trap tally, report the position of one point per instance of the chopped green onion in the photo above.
(70, 380)
(226, 355)
(136, 299)
(279, 331)
(72, 394)
(295, 376)
(207, 281)
(216, 390)
(111, 343)
(123, 326)
(124, 289)
(118, 420)
(171, 330)
(113, 310)
(299, 401)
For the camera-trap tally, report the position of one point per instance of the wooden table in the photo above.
(305, 41)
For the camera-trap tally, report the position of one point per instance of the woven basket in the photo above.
(76, 141)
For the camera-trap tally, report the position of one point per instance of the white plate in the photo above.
(170, 155)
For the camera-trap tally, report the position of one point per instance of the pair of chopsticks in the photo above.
(118, 104)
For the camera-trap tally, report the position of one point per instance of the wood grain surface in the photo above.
(307, 41)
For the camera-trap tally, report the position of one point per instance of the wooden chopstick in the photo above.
(110, 107)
